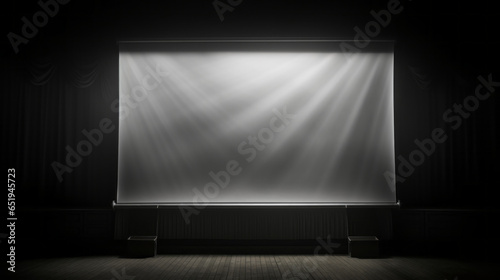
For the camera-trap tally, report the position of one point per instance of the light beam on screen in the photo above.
(334, 150)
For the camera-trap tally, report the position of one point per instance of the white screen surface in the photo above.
(254, 126)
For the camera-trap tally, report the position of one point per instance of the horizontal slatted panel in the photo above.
(256, 224)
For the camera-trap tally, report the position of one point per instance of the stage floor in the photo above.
(253, 267)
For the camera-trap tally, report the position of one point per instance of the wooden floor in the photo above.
(253, 267)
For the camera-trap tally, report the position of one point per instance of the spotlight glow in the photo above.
(187, 115)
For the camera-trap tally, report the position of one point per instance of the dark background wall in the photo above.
(64, 80)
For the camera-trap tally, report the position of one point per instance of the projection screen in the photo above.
(264, 122)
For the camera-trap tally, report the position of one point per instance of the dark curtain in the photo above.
(429, 80)
(52, 98)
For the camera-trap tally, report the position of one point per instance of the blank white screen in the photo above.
(186, 114)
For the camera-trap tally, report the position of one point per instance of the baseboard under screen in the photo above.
(254, 222)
